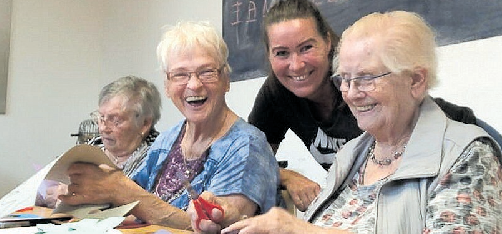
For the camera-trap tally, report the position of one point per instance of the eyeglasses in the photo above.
(114, 121)
(206, 75)
(364, 83)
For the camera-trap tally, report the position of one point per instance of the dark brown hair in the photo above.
(285, 10)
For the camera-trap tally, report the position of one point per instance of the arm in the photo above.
(246, 178)
(301, 189)
(92, 184)
(468, 198)
(235, 206)
(268, 116)
(277, 220)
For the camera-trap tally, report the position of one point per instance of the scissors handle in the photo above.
(204, 209)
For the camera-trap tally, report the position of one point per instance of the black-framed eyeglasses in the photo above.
(206, 75)
(364, 83)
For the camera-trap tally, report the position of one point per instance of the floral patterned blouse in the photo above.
(468, 199)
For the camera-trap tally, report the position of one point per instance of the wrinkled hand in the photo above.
(302, 190)
(48, 193)
(276, 220)
(207, 226)
(92, 184)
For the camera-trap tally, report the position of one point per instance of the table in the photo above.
(152, 229)
(46, 213)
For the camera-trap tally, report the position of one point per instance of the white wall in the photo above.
(64, 51)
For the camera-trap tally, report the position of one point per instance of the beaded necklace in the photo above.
(385, 161)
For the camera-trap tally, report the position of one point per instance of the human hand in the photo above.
(276, 220)
(302, 190)
(93, 184)
(48, 192)
(207, 225)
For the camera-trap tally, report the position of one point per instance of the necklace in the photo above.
(116, 160)
(190, 170)
(186, 153)
(385, 161)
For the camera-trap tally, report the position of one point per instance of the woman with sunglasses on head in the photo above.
(299, 95)
(211, 151)
(413, 170)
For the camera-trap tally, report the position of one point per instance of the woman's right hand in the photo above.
(48, 192)
(302, 190)
(277, 220)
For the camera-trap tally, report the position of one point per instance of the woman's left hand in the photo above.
(92, 184)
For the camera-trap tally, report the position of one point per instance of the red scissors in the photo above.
(202, 207)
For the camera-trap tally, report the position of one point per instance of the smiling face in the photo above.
(299, 56)
(393, 104)
(119, 129)
(198, 102)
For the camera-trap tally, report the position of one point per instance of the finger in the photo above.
(106, 168)
(311, 196)
(216, 215)
(208, 226)
(72, 199)
(236, 226)
(77, 168)
(299, 201)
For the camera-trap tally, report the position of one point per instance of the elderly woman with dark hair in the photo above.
(128, 109)
(413, 170)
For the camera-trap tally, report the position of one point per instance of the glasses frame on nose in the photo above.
(364, 83)
(106, 121)
(205, 75)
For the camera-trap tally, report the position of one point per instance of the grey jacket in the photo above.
(434, 146)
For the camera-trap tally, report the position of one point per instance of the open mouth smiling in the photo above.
(365, 108)
(195, 100)
(301, 78)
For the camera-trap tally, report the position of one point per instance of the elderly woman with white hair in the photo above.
(128, 109)
(413, 170)
(212, 148)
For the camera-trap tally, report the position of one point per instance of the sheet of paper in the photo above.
(94, 211)
(19, 230)
(95, 226)
(23, 195)
(78, 153)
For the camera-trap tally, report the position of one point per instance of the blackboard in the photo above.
(454, 21)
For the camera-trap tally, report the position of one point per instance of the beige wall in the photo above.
(64, 51)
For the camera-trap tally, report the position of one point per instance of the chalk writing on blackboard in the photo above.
(242, 33)
(455, 21)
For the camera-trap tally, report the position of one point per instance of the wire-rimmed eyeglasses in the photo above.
(206, 75)
(113, 121)
(362, 83)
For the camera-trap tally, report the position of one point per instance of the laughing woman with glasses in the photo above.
(212, 149)
(413, 170)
